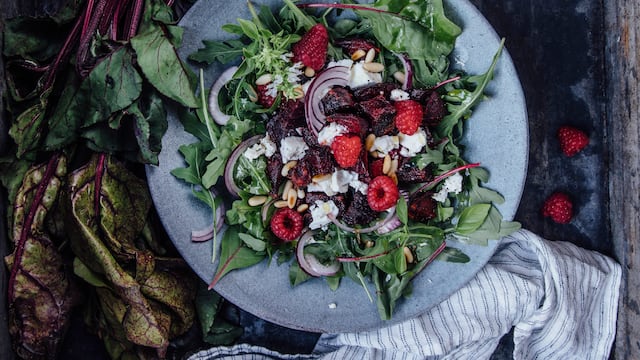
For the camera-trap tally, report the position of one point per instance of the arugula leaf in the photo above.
(454, 255)
(466, 99)
(223, 52)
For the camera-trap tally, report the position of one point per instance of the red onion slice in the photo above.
(229, 182)
(408, 70)
(309, 263)
(206, 234)
(214, 108)
(333, 76)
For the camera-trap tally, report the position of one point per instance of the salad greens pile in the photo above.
(418, 28)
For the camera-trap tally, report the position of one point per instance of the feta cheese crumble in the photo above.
(320, 212)
(385, 144)
(330, 132)
(337, 183)
(361, 77)
(293, 148)
(411, 145)
(399, 95)
(452, 184)
(265, 147)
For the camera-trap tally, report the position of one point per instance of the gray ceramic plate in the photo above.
(497, 136)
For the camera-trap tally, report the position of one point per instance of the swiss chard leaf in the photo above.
(40, 290)
(162, 67)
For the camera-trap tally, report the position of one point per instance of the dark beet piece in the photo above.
(274, 168)
(434, 110)
(355, 124)
(337, 99)
(381, 113)
(316, 161)
(288, 117)
(422, 207)
(409, 173)
(375, 90)
(351, 45)
(358, 211)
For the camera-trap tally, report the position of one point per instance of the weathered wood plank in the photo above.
(623, 131)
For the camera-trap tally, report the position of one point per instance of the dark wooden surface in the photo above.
(578, 63)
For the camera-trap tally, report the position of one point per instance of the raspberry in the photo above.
(286, 224)
(382, 193)
(572, 140)
(263, 99)
(311, 50)
(346, 150)
(559, 207)
(408, 116)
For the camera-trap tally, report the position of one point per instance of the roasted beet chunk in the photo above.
(358, 211)
(316, 161)
(274, 168)
(355, 124)
(375, 90)
(288, 117)
(409, 173)
(381, 114)
(434, 110)
(351, 45)
(422, 207)
(338, 99)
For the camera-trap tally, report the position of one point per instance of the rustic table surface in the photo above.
(578, 64)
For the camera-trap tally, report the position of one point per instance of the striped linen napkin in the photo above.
(560, 300)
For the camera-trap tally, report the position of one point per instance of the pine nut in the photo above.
(394, 166)
(386, 164)
(369, 244)
(358, 54)
(408, 255)
(369, 141)
(373, 67)
(400, 77)
(264, 79)
(302, 208)
(257, 200)
(288, 166)
(371, 54)
(292, 198)
(321, 178)
(298, 92)
(393, 177)
(253, 95)
(309, 72)
(280, 204)
(285, 191)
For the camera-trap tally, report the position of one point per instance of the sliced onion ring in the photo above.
(206, 234)
(214, 108)
(408, 70)
(231, 162)
(334, 76)
(390, 215)
(309, 263)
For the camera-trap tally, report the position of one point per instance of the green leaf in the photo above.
(222, 51)
(469, 99)
(159, 61)
(234, 254)
(402, 210)
(27, 130)
(296, 275)
(454, 255)
(252, 242)
(150, 124)
(472, 218)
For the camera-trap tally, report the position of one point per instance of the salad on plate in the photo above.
(331, 143)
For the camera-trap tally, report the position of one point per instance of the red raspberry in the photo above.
(263, 99)
(408, 116)
(383, 193)
(559, 207)
(286, 224)
(311, 50)
(572, 140)
(346, 150)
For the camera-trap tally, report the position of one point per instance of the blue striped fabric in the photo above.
(560, 300)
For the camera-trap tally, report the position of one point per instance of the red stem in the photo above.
(26, 227)
(87, 34)
(98, 184)
(346, 6)
(64, 53)
(445, 175)
(444, 82)
(363, 258)
(134, 19)
(226, 264)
